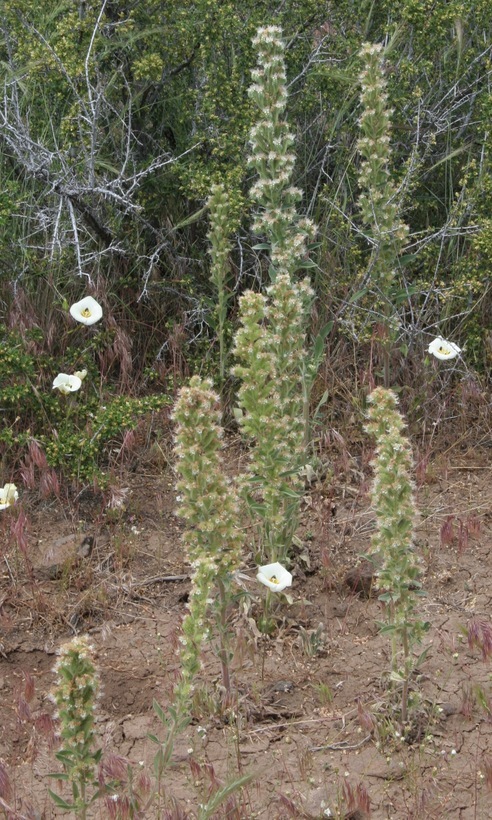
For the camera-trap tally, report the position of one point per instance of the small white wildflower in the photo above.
(66, 384)
(274, 576)
(442, 349)
(8, 496)
(80, 374)
(87, 311)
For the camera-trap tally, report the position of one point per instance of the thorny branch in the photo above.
(82, 201)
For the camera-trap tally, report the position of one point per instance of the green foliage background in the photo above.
(118, 118)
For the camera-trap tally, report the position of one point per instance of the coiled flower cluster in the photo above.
(273, 159)
(378, 199)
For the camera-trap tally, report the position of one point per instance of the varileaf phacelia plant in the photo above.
(209, 507)
(220, 248)
(74, 695)
(378, 199)
(392, 548)
(270, 345)
(273, 159)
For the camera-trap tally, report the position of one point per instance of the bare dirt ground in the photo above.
(312, 722)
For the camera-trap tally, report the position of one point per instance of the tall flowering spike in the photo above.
(211, 513)
(220, 228)
(270, 350)
(392, 542)
(75, 694)
(393, 488)
(220, 248)
(270, 345)
(273, 159)
(377, 200)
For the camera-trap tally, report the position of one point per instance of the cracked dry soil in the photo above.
(311, 717)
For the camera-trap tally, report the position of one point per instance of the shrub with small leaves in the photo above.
(73, 430)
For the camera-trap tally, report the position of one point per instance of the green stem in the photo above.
(305, 413)
(223, 651)
(404, 696)
(83, 806)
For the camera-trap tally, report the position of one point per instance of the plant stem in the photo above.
(223, 651)
(407, 667)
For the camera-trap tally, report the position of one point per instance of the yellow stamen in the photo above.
(86, 313)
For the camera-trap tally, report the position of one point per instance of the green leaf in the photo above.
(262, 246)
(386, 629)
(421, 658)
(320, 339)
(405, 260)
(387, 597)
(322, 401)
(60, 802)
(401, 295)
(356, 296)
(221, 794)
(159, 712)
(396, 677)
(289, 493)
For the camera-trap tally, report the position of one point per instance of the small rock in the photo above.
(283, 686)
(86, 547)
(361, 578)
(448, 709)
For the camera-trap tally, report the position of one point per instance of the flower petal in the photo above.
(8, 496)
(66, 384)
(274, 576)
(87, 311)
(442, 349)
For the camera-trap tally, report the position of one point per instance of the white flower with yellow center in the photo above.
(442, 349)
(66, 384)
(8, 496)
(87, 311)
(274, 576)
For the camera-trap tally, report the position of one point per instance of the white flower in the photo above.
(8, 496)
(87, 311)
(66, 384)
(81, 374)
(442, 349)
(274, 576)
